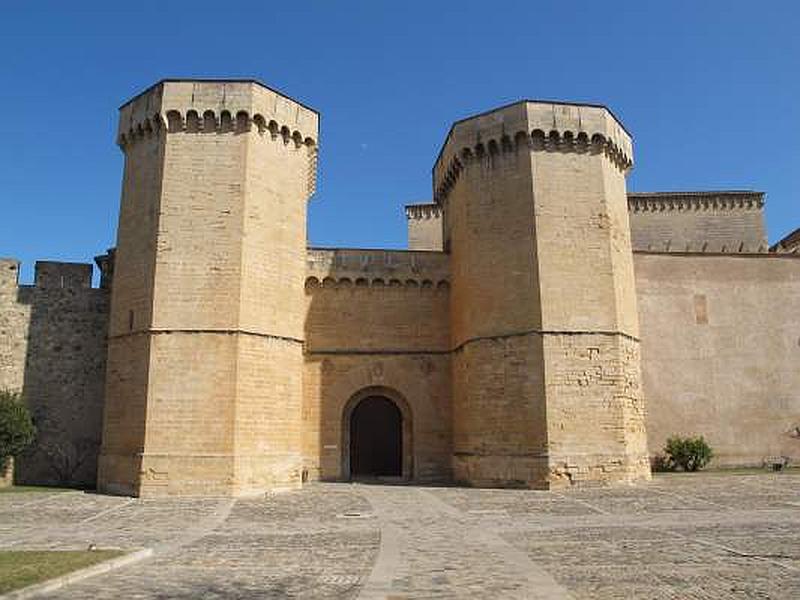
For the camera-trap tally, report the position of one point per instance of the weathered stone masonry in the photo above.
(546, 328)
(53, 350)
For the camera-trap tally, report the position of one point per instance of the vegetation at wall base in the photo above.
(684, 453)
(22, 568)
(17, 431)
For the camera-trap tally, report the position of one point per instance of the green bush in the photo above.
(661, 464)
(16, 426)
(687, 453)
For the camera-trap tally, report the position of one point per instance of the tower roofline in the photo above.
(524, 101)
(214, 80)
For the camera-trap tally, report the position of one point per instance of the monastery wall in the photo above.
(376, 323)
(53, 350)
(720, 352)
(724, 221)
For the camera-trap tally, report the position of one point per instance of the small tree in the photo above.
(16, 427)
(688, 453)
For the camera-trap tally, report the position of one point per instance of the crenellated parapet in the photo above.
(375, 283)
(531, 126)
(219, 107)
(425, 226)
(377, 270)
(423, 211)
(717, 221)
(695, 201)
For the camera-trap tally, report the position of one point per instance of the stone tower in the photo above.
(546, 373)
(204, 375)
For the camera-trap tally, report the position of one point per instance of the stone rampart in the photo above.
(53, 350)
(720, 221)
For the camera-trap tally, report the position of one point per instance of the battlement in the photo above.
(698, 221)
(424, 227)
(48, 275)
(344, 267)
(9, 273)
(105, 262)
(534, 125)
(219, 107)
(683, 201)
(218, 101)
(61, 275)
(423, 211)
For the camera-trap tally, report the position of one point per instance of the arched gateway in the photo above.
(377, 432)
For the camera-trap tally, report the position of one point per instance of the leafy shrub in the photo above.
(16, 426)
(687, 453)
(660, 464)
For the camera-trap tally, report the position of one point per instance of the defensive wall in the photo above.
(719, 354)
(545, 327)
(708, 221)
(377, 322)
(720, 351)
(53, 350)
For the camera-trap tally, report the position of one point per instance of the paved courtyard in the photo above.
(681, 536)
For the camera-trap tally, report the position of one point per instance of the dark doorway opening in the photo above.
(376, 439)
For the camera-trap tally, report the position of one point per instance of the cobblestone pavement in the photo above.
(682, 536)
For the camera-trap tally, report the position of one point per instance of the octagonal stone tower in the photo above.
(204, 376)
(546, 373)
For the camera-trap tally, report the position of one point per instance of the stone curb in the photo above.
(58, 582)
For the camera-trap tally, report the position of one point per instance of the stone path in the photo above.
(430, 549)
(682, 536)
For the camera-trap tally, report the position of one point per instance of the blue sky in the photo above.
(710, 91)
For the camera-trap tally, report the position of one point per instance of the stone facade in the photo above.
(545, 329)
(721, 345)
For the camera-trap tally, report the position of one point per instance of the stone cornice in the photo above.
(156, 125)
(209, 121)
(695, 201)
(229, 107)
(535, 141)
(535, 126)
(423, 211)
(376, 283)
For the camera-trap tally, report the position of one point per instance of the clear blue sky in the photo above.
(710, 91)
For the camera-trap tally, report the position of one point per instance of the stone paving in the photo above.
(682, 536)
